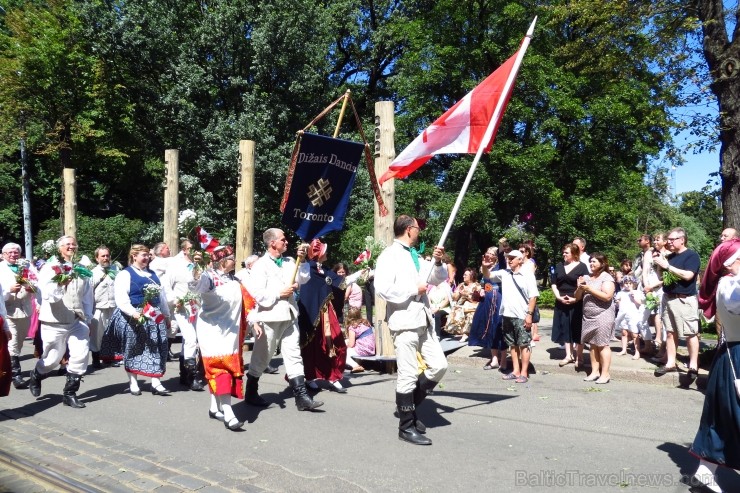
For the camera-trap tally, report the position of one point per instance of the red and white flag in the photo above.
(207, 242)
(363, 256)
(460, 129)
(152, 312)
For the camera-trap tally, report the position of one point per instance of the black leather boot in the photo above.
(303, 401)
(184, 373)
(96, 360)
(251, 395)
(34, 383)
(15, 365)
(423, 386)
(406, 429)
(69, 396)
(198, 376)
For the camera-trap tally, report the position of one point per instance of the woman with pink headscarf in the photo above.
(717, 441)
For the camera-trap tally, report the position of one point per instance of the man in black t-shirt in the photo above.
(680, 312)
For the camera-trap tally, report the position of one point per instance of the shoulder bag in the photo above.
(536, 314)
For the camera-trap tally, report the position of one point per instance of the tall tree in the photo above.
(722, 54)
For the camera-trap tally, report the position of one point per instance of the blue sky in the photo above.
(693, 174)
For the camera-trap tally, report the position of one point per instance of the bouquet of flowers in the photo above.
(651, 302)
(187, 221)
(151, 291)
(189, 303)
(187, 225)
(26, 277)
(65, 272)
(48, 248)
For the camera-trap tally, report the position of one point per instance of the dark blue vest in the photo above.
(136, 290)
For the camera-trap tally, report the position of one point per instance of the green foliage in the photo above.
(546, 298)
(117, 233)
(107, 86)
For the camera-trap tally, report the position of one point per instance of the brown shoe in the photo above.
(358, 369)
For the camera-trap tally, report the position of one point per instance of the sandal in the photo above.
(489, 366)
(510, 376)
(521, 379)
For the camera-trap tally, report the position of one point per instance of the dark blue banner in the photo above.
(324, 174)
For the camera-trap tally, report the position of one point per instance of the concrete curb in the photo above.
(546, 355)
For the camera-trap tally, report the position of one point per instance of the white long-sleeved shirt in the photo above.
(397, 282)
(122, 290)
(62, 304)
(267, 280)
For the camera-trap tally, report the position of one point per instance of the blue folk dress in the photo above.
(718, 437)
(485, 330)
(142, 346)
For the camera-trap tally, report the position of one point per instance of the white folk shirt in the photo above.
(397, 282)
(513, 304)
(728, 307)
(265, 283)
(103, 289)
(177, 279)
(64, 304)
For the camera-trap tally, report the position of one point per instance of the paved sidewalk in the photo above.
(546, 355)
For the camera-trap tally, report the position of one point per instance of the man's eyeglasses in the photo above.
(674, 239)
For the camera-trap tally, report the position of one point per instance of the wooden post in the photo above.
(70, 202)
(245, 202)
(171, 198)
(383, 226)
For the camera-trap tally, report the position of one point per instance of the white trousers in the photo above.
(18, 333)
(264, 348)
(189, 337)
(97, 326)
(56, 338)
(407, 343)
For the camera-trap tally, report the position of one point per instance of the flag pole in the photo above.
(341, 113)
(489, 131)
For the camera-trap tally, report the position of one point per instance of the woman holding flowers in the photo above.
(138, 327)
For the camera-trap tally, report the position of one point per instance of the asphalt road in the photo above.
(554, 433)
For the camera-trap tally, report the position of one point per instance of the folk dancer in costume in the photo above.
(401, 280)
(323, 348)
(66, 312)
(105, 301)
(18, 297)
(184, 306)
(138, 327)
(221, 328)
(716, 442)
(6, 374)
(273, 287)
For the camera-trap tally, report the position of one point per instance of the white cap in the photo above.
(515, 254)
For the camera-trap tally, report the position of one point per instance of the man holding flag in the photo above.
(401, 278)
(274, 282)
